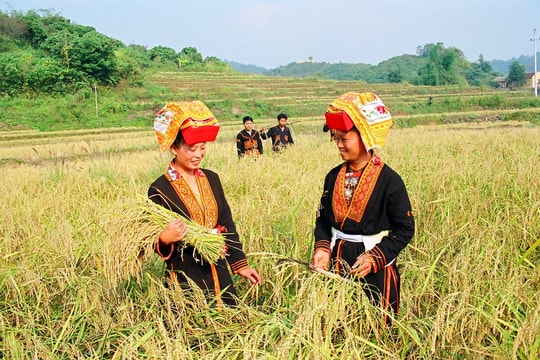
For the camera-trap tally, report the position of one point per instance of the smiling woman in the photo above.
(365, 216)
(184, 128)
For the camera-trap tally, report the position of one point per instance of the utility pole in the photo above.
(95, 99)
(534, 39)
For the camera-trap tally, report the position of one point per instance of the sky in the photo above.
(273, 33)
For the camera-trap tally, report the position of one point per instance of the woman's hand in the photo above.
(175, 231)
(362, 266)
(320, 260)
(252, 275)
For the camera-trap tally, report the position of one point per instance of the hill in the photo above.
(433, 65)
(408, 65)
(502, 66)
(247, 69)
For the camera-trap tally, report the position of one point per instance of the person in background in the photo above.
(184, 128)
(280, 134)
(364, 219)
(332, 132)
(248, 141)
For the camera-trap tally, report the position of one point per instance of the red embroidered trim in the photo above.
(361, 195)
(207, 216)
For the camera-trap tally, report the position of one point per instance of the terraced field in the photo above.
(231, 96)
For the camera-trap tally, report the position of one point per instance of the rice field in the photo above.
(79, 281)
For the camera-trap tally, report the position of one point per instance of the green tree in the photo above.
(12, 74)
(193, 54)
(190, 58)
(48, 75)
(163, 54)
(93, 55)
(59, 45)
(36, 33)
(429, 75)
(516, 74)
(443, 66)
(130, 62)
(212, 63)
(479, 73)
(395, 76)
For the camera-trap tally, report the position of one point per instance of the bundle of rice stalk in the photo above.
(127, 246)
(208, 243)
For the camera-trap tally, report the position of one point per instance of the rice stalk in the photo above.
(135, 231)
(208, 242)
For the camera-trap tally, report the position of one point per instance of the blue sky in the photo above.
(272, 33)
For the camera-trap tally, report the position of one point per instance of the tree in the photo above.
(93, 54)
(35, 33)
(59, 45)
(429, 75)
(485, 66)
(443, 65)
(162, 54)
(395, 76)
(130, 62)
(12, 76)
(48, 75)
(516, 74)
(479, 73)
(12, 27)
(191, 55)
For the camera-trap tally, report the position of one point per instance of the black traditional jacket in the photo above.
(172, 192)
(380, 203)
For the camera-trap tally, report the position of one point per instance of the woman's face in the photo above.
(350, 145)
(189, 157)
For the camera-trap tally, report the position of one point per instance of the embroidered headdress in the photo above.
(192, 118)
(366, 112)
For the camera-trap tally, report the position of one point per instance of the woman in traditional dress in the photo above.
(184, 128)
(364, 218)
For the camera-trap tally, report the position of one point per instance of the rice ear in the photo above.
(210, 245)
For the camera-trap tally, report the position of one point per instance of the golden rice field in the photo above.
(78, 279)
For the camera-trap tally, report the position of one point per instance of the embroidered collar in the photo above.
(376, 160)
(359, 190)
(175, 175)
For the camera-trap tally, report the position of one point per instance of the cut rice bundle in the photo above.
(208, 243)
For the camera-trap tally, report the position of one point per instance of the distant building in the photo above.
(501, 80)
(530, 79)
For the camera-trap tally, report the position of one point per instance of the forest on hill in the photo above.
(44, 53)
(47, 53)
(434, 64)
(386, 71)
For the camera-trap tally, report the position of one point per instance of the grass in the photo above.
(470, 277)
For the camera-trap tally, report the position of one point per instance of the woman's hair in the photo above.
(179, 140)
(246, 118)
